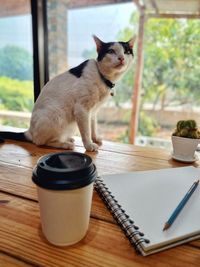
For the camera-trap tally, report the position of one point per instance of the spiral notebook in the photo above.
(141, 202)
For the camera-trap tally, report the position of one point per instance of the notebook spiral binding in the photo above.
(130, 229)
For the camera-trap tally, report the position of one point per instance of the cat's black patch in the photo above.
(126, 47)
(104, 50)
(77, 71)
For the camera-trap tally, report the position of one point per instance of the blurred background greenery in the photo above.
(170, 76)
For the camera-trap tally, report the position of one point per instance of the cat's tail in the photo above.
(23, 136)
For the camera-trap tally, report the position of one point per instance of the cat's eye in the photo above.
(127, 52)
(111, 51)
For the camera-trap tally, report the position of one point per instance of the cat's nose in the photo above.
(121, 58)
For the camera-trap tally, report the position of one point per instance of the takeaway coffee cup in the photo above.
(65, 186)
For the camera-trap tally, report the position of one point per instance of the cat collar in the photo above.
(106, 81)
(109, 84)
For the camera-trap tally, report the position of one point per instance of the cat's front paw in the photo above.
(69, 145)
(91, 147)
(97, 140)
(70, 139)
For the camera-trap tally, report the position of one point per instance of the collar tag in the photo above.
(106, 81)
(112, 92)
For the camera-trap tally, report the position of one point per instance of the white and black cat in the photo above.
(74, 97)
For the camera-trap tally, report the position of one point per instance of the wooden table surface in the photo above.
(21, 239)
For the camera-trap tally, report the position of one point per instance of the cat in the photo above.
(73, 98)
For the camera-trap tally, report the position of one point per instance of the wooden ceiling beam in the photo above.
(88, 3)
(157, 13)
(154, 5)
(173, 16)
(140, 5)
(14, 8)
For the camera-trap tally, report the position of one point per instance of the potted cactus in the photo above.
(185, 139)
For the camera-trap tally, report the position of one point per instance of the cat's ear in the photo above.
(131, 42)
(98, 42)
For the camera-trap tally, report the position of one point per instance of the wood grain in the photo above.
(7, 261)
(17, 181)
(31, 151)
(15, 177)
(21, 239)
(21, 235)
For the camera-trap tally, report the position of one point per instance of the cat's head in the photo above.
(115, 56)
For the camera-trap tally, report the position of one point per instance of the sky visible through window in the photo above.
(104, 21)
(16, 30)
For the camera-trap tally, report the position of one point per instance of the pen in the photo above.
(180, 205)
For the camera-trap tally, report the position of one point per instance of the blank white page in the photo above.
(150, 197)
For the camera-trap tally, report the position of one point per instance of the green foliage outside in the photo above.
(16, 63)
(15, 123)
(146, 126)
(171, 74)
(171, 61)
(16, 83)
(16, 95)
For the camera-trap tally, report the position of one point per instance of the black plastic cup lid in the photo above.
(64, 171)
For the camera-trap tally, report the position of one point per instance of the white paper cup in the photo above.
(65, 186)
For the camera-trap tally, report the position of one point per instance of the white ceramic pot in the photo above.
(184, 148)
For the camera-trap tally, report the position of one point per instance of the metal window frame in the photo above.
(40, 45)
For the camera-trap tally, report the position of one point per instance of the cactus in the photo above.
(187, 129)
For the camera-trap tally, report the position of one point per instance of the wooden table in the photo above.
(21, 239)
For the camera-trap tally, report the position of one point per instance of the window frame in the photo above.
(40, 45)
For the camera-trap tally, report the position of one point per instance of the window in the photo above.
(70, 30)
(16, 63)
(170, 80)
